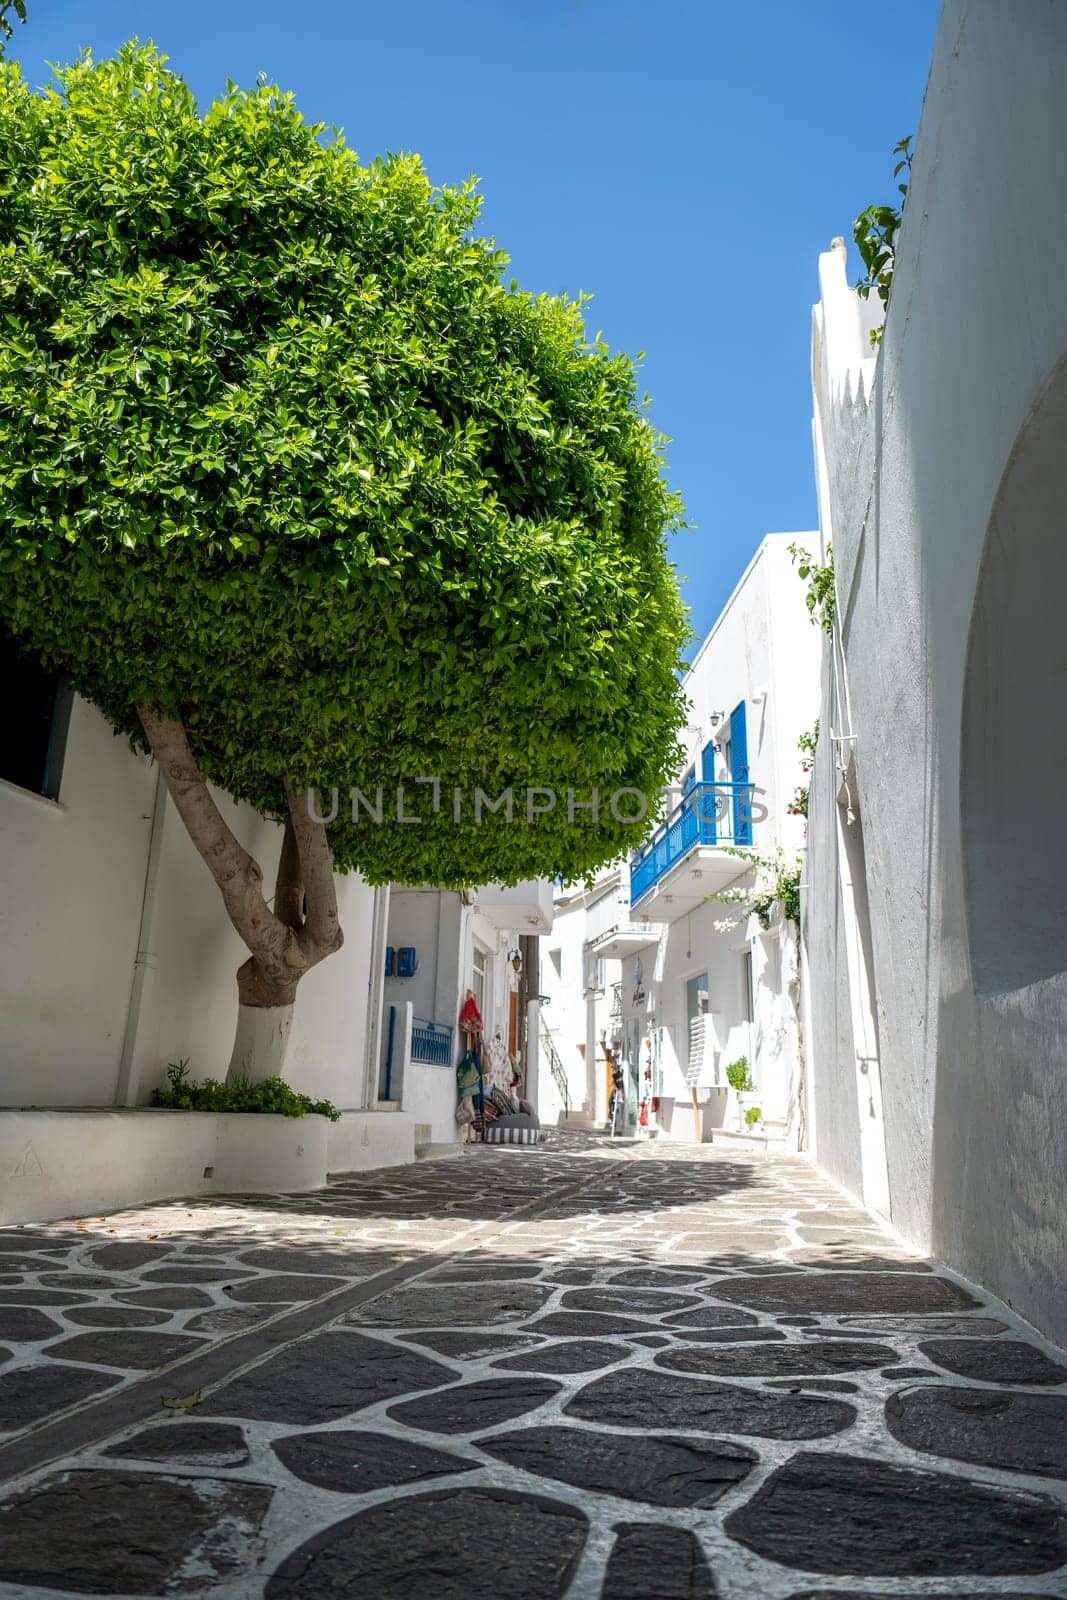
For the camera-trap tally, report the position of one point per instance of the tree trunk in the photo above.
(261, 1042)
(302, 929)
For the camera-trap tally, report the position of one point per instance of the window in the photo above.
(747, 991)
(479, 980)
(697, 1005)
(38, 713)
(556, 958)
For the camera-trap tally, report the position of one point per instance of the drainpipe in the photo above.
(528, 979)
(128, 1081)
(375, 997)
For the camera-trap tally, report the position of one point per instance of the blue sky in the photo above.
(683, 160)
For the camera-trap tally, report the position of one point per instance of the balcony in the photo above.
(523, 908)
(615, 944)
(686, 859)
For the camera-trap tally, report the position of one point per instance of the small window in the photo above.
(38, 714)
(747, 988)
(480, 980)
(556, 958)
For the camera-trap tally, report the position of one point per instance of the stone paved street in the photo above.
(588, 1369)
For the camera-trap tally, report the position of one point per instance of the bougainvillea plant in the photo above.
(301, 494)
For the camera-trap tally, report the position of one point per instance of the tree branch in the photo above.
(237, 874)
(321, 933)
(289, 883)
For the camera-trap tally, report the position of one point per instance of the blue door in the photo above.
(688, 820)
(708, 803)
(739, 774)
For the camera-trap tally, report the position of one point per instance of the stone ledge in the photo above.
(70, 1163)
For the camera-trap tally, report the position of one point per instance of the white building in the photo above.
(581, 976)
(935, 918)
(638, 968)
(443, 945)
(118, 959)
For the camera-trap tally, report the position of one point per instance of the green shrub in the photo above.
(738, 1076)
(752, 1115)
(271, 1095)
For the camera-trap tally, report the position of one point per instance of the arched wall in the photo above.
(1013, 767)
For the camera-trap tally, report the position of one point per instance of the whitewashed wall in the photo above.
(765, 651)
(566, 1015)
(762, 650)
(921, 493)
(73, 879)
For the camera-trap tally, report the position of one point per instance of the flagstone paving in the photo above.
(592, 1369)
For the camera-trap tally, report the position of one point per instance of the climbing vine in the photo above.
(776, 883)
(798, 806)
(820, 597)
(875, 233)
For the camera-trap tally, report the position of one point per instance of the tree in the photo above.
(302, 496)
(7, 9)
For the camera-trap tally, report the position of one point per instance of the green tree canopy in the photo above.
(282, 456)
(9, 8)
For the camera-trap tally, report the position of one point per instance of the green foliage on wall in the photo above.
(806, 744)
(875, 233)
(820, 597)
(281, 453)
(775, 883)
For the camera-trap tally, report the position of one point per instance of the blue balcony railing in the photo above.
(431, 1042)
(708, 814)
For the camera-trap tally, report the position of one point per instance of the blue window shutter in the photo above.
(688, 832)
(739, 774)
(709, 829)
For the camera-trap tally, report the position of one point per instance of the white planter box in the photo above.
(265, 1154)
(86, 1163)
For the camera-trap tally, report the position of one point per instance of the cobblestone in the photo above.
(590, 1370)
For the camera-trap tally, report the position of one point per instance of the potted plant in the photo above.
(740, 1080)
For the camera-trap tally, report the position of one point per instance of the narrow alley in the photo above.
(586, 1369)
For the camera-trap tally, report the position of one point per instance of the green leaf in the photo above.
(184, 1403)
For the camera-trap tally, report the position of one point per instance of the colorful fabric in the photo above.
(502, 1101)
(470, 1018)
(507, 1133)
(468, 1074)
(499, 1070)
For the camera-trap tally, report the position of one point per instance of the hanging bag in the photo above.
(468, 1074)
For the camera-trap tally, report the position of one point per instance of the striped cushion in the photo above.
(495, 1134)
